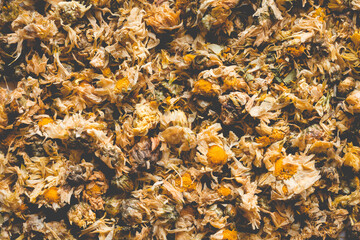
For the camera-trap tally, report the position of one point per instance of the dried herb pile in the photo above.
(208, 119)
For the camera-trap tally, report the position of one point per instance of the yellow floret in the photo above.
(189, 57)
(276, 135)
(285, 189)
(284, 171)
(106, 72)
(185, 182)
(296, 51)
(216, 155)
(230, 235)
(351, 158)
(45, 121)
(52, 195)
(122, 85)
(224, 191)
(203, 87)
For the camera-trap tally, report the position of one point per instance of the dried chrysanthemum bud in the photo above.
(217, 17)
(75, 175)
(179, 137)
(354, 101)
(132, 211)
(81, 215)
(346, 86)
(70, 12)
(113, 205)
(144, 155)
(233, 107)
(50, 147)
(123, 183)
(163, 18)
(168, 214)
(352, 157)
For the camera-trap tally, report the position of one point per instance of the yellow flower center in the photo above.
(296, 51)
(189, 57)
(106, 72)
(122, 85)
(51, 195)
(229, 235)
(203, 87)
(224, 191)
(284, 171)
(185, 182)
(45, 121)
(276, 135)
(217, 155)
(355, 38)
(285, 189)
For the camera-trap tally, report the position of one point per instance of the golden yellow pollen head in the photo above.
(52, 195)
(285, 189)
(186, 181)
(122, 85)
(224, 191)
(45, 121)
(203, 87)
(230, 234)
(216, 155)
(284, 171)
(296, 51)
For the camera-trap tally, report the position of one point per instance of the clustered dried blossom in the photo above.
(216, 119)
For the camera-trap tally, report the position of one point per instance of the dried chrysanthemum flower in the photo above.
(208, 116)
(57, 230)
(123, 183)
(163, 18)
(78, 174)
(145, 154)
(146, 117)
(206, 88)
(133, 211)
(352, 157)
(182, 138)
(72, 11)
(52, 195)
(97, 186)
(353, 100)
(112, 205)
(291, 175)
(346, 86)
(81, 215)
